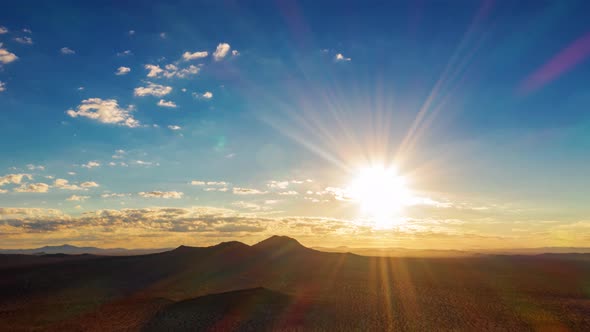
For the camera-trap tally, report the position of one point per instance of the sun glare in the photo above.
(381, 193)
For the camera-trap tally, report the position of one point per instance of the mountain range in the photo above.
(279, 284)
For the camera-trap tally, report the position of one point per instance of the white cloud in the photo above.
(81, 88)
(33, 188)
(247, 191)
(113, 195)
(164, 103)
(123, 70)
(13, 178)
(221, 51)
(163, 35)
(25, 30)
(223, 189)
(32, 167)
(24, 40)
(187, 56)
(3, 30)
(2, 86)
(89, 184)
(171, 70)
(289, 193)
(6, 56)
(162, 194)
(91, 164)
(77, 198)
(65, 185)
(154, 70)
(67, 50)
(71, 173)
(235, 53)
(124, 53)
(278, 184)
(131, 32)
(209, 183)
(152, 89)
(205, 95)
(174, 127)
(340, 57)
(105, 111)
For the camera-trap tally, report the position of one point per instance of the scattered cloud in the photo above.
(187, 56)
(131, 32)
(3, 30)
(125, 53)
(25, 30)
(33, 188)
(235, 53)
(6, 56)
(209, 183)
(76, 198)
(278, 184)
(65, 185)
(247, 191)
(162, 194)
(123, 71)
(105, 111)
(205, 95)
(2, 86)
(339, 57)
(152, 89)
(89, 184)
(24, 40)
(114, 195)
(67, 51)
(154, 70)
(91, 164)
(164, 103)
(221, 51)
(32, 167)
(289, 193)
(171, 71)
(14, 178)
(174, 127)
(163, 35)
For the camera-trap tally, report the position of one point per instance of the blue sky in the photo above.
(482, 106)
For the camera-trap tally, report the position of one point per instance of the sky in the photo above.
(128, 124)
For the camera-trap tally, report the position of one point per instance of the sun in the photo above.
(381, 193)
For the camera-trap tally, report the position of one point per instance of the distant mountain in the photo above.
(73, 250)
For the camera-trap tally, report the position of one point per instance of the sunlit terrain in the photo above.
(294, 165)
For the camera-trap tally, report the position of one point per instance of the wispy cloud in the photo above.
(174, 127)
(187, 56)
(247, 191)
(162, 194)
(67, 51)
(24, 40)
(91, 164)
(339, 57)
(77, 198)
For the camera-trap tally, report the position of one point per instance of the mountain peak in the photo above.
(279, 242)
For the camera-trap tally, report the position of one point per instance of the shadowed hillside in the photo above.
(279, 284)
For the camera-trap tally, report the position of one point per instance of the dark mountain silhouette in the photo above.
(279, 284)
